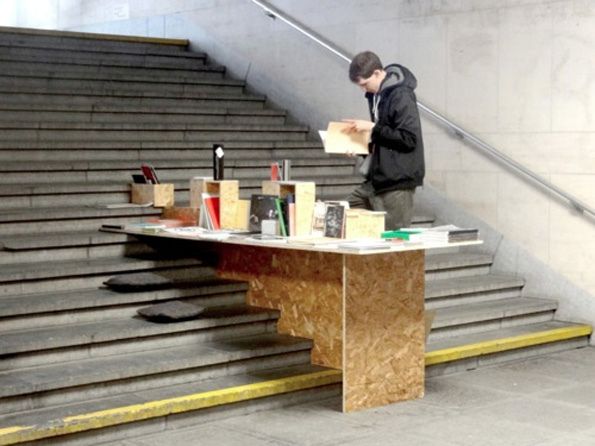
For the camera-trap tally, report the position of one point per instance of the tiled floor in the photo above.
(548, 401)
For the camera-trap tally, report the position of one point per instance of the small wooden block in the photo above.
(242, 215)
(161, 195)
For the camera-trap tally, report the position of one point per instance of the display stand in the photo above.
(304, 194)
(161, 195)
(228, 193)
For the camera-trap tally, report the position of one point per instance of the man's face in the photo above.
(371, 84)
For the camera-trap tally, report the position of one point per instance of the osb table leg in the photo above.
(306, 287)
(365, 314)
(383, 359)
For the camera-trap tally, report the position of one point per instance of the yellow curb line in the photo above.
(152, 409)
(82, 35)
(511, 343)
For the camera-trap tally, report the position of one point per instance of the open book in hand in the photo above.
(336, 140)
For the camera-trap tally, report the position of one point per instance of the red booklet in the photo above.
(212, 206)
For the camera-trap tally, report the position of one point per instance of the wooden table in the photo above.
(364, 311)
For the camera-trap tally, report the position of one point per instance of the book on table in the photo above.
(262, 207)
(209, 211)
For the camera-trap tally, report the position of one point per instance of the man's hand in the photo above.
(357, 125)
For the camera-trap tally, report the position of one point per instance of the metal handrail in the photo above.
(576, 204)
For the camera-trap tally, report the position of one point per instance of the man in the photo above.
(395, 166)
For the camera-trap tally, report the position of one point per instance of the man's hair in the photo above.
(363, 65)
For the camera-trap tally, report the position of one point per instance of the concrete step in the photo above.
(65, 383)
(143, 115)
(446, 265)
(13, 66)
(177, 171)
(22, 73)
(249, 390)
(471, 288)
(84, 216)
(26, 278)
(131, 99)
(490, 315)
(303, 150)
(473, 350)
(72, 253)
(151, 132)
(151, 59)
(127, 335)
(201, 160)
(17, 196)
(69, 239)
(50, 305)
(67, 40)
(59, 82)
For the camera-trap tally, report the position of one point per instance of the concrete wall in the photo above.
(520, 74)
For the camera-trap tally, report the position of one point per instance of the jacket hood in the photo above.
(397, 75)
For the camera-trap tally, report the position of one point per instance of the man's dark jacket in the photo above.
(398, 151)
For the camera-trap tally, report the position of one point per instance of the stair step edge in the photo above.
(131, 365)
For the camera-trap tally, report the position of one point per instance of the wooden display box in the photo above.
(161, 195)
(304, 194)
(228, 192)
(361, 223)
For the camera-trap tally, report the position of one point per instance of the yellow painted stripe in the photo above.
(80, 35)
(504, 344)
(152, 409)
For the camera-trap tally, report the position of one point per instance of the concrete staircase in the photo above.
(78, 114)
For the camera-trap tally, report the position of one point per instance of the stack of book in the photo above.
(437, 234)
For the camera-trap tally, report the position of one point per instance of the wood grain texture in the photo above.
(161, 195)
(305, 286)
(383, 358)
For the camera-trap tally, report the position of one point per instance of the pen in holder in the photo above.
(285, 168)
(218, 165)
